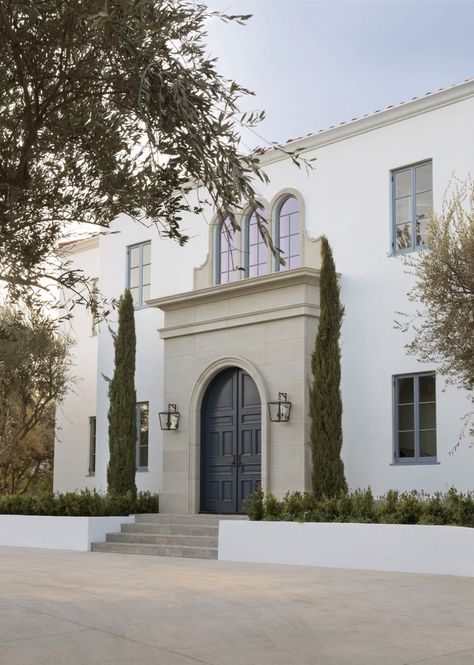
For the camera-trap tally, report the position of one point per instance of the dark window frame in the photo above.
(262, 267)
(416, 459)
(92, 444)
(138, 443)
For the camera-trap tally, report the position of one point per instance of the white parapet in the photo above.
(57, 533)
(439, 550)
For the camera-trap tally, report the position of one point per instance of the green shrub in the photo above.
(254, 505)
(80, 504)
(453, 508)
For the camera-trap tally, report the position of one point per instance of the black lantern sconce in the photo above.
(280, 411)
(169, 420)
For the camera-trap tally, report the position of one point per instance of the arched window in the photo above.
(226, 253)
(256, 252)
(288, 233)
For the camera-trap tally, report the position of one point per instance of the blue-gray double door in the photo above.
(230, 442)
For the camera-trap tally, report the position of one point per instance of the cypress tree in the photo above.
(122, 409)
(325, 393)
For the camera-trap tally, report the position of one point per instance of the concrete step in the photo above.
(172, 529)
(162, 539)
(157, 550)
(203, 518)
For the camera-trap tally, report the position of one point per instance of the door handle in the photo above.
(236, 460)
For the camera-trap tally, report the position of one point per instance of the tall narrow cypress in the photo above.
(122, 410)
(325, 393)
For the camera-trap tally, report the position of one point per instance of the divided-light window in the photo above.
(415, 418)
(412, 203)
(139, 272)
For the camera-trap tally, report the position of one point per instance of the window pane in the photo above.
(427, 388)
(424, 204)
(147, 253)
(406, 444)
(285, 246)
(133, 278)
(134, 293)
(424, 177)
(253, 271)
(146, 274)
(134, 257)
(290, 206)
(405, 390)
(428, 416)
(403, 184)
(421, 232)
(406, 420)
(143, 457)
(403, 210)
(294, 245)
(146, 292)
(404, 236)
(284, 225)
(294, 262)
(428, 444)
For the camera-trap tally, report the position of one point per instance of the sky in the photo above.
(313, 64)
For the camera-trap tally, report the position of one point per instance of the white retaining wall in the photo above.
(441, 550)
(57, 533)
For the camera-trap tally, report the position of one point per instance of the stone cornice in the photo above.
(243, 287)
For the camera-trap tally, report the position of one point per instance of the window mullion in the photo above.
(416, 397)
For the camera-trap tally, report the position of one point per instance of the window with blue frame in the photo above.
(142, 411)
(287, 228)
(412, 203)
(226, 253)
(256, 252)
(139, 272)
(414, 400)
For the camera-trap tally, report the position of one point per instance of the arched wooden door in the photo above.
(230, 442)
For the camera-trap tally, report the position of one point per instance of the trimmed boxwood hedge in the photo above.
(78, 504)
(452, 508)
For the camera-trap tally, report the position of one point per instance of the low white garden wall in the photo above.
(57, 533)
(441, 550)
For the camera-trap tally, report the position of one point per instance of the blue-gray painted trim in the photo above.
(141, 245)
(417, 460)
(393, 173)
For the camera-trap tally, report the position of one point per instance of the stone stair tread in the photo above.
(188, 551)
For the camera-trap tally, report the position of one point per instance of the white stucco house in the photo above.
(220, 343)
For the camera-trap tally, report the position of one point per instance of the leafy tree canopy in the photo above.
(444, 290)
(108, 107)
(34, 375)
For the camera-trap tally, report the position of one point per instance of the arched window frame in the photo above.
(246, 244)
(218, 251)
(277, 204)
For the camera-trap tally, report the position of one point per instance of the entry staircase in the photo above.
(193, 536)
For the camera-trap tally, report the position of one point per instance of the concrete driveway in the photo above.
(65, 608)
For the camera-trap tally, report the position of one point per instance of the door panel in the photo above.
(230, 442)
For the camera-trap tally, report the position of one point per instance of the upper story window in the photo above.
(139, 272)
(226, 253)
(415, 418)
(412, 202)
(287, 229)
(256, 252)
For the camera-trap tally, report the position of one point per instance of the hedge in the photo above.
(78, 504)
(452, 508)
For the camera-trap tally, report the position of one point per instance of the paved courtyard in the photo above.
(64, 608)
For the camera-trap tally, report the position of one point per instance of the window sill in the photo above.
(90, 475)
(416, 463)
(142, 469)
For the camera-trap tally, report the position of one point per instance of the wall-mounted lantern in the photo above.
(169, 420)
(280, 411)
